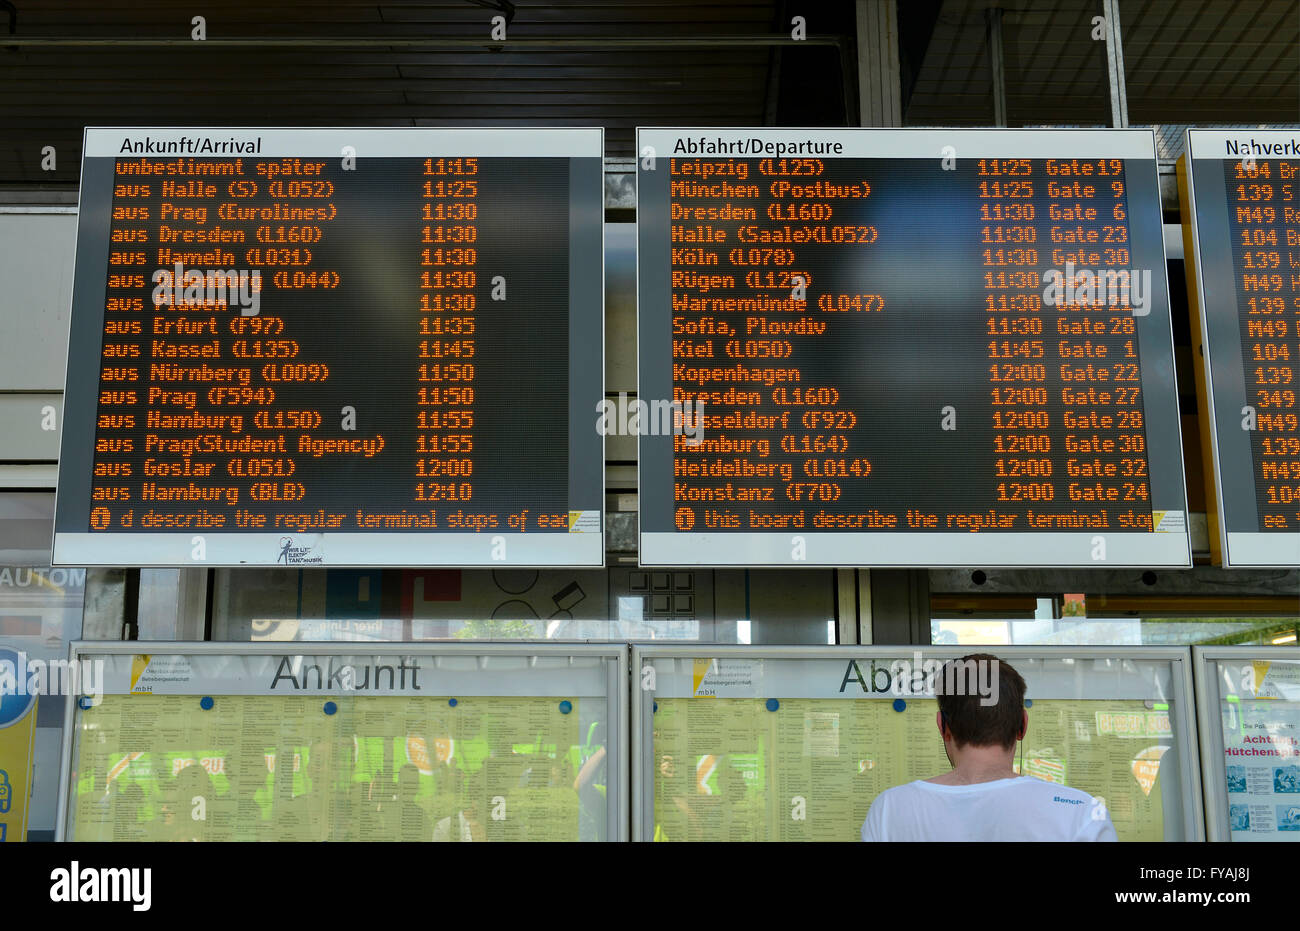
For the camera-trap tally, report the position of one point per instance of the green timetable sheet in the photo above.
(730, 769)
(257, 767)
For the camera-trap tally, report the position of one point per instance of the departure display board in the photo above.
(335, 347)
(1241, 218)
(905, 348)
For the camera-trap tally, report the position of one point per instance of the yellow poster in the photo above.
(730, 769)
(155, 767)
(17, 735)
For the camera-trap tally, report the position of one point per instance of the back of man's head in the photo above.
(982, 700)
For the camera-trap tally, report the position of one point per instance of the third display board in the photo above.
(1241, 213)
(905, 347)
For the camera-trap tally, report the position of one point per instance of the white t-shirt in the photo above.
(1017, 809)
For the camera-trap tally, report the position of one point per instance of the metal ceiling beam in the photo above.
(1201, 580)
(594, 43)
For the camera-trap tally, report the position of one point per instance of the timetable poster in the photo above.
(1242, 215)
(730, 769)
(1261, 746)
(155, 767)
(335, 347)
(905, 348)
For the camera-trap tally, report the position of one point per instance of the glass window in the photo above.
(1099, 619)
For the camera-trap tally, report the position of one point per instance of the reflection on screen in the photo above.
(160, 768)
(729, 769)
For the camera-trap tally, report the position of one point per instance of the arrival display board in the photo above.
(905, 348)
(344, 748)
(1241, 216)
(335, 347)
(1250, 707)
(780, 745)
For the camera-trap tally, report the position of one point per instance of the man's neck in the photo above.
(973, 765)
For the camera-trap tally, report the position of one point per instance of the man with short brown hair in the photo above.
(981, 717)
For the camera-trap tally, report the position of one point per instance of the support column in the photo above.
(997, 61)
(895, 603)
(900, 606)
(880, 93)
(173, 604)
(1115, 64)
(847, 611)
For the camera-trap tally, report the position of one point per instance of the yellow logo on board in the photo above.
(700, 670)
(139, 663)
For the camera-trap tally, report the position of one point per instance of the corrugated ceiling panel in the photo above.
(50, 94)
(1185, 62)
